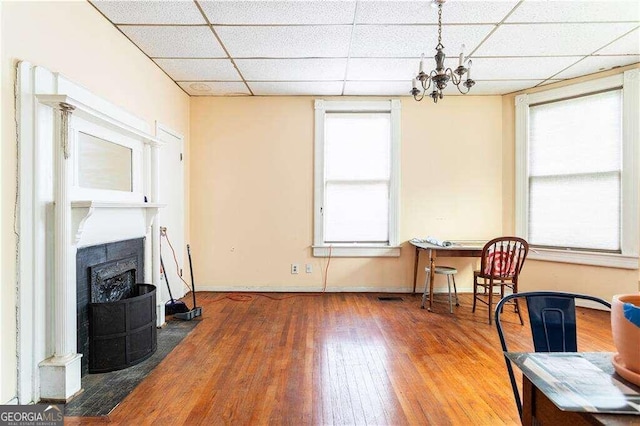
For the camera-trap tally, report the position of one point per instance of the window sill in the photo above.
(611, 260)
(351, 250)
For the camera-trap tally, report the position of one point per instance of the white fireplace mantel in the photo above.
(56, 216)
(98, 222)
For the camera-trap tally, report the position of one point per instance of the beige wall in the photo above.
(538, 275)
(252, 190)
(74, 39)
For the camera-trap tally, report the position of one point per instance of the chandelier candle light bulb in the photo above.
(441, 75)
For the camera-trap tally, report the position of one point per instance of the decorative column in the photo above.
(155, 232)
(60, 374)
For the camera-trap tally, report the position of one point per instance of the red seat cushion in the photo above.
(501, 263)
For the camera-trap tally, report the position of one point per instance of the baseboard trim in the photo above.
(12, 401)
(317, 289)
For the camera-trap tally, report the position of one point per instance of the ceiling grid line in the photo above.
(353, 28)
(496, 27)
(591, 54)
(91, 2)
(215, 34)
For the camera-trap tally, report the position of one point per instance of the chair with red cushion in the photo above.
(500, 265)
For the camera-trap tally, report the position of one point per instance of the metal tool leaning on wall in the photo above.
(173, 307)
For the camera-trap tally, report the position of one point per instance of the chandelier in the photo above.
(439, 77)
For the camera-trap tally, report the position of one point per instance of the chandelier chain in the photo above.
(439, 23)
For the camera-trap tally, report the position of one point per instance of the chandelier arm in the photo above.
(455, 79)
(419, 98)
(459, 90)
(428, 85)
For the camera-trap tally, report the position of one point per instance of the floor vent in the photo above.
(390, 298)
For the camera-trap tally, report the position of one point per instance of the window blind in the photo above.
(575, 165)
(357, 177)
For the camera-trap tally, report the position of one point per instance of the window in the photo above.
(576, 166)
(356, 178)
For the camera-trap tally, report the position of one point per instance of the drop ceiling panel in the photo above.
(519, 68)
(150, 12)
(594, 64)
(297, 88)
(576, 11)
(292, 69)
(378, 88)
(411, 41)
(384, 68)
(279, 12)
(199, 69)
(175, 42)
(500, 87)
(286, 42)
(626, 45)
(214, 88)
(551, 39)
(421, 12)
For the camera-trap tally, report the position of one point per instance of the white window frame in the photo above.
(392, 249)
(630, 84)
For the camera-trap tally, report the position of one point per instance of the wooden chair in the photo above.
(552, 318)
(501, 262)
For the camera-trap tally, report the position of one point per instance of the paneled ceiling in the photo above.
(235, 48)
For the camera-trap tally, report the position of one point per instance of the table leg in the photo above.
(528, 402)
(415, 270)
(432, 273)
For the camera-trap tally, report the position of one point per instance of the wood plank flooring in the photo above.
(337, 359)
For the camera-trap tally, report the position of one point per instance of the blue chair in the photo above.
(552, 317)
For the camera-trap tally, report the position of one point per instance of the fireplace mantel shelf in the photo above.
(94, 221)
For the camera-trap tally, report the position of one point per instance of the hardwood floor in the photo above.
(337, 359)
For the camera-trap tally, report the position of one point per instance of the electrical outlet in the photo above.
(309, 268)
(294, 268)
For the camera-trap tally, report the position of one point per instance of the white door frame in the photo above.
(162, 292)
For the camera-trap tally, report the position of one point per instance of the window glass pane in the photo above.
(580, 211)
(356, 212)
(576, 135)
(357, 146)
(103, 164)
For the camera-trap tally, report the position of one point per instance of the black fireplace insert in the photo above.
(122, 333)
(116, 316)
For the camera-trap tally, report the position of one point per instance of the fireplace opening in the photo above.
(116, 313)
(113, 281)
